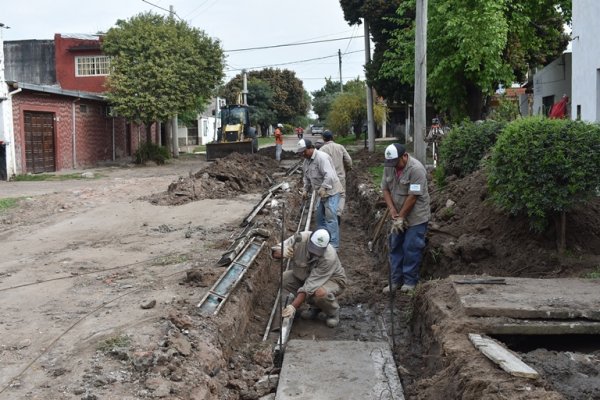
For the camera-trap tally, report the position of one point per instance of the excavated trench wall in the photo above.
(449, 366)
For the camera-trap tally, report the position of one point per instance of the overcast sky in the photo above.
(236, 23)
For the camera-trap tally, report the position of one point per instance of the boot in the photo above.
(310, 313)
(333, 320)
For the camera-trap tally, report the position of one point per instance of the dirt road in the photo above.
(78, 260)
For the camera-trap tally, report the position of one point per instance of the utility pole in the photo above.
(420, 102)
(340, 62)
(245, 87)
(370, 118)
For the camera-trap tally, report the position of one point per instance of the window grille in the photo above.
(92, 65)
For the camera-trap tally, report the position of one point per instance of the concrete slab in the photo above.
(338, 370)
(526, 298)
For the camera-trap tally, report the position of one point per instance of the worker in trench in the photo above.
(342, 163)
(316, 276)
(404, 187)
(320, 175)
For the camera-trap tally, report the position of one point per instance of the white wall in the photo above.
(552, 80)
(206, 129)
(586, 60)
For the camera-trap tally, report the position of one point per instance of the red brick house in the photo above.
(61, 118)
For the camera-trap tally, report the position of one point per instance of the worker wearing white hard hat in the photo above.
(316, 276)
(320, 175)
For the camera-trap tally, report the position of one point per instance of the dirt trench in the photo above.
(184, 355)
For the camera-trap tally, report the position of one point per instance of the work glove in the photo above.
(289, 311)
(288, 252)
(323, 193)
(304, 194)
(397, 226)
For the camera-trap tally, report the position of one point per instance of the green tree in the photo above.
(542, 168)
(288, 99)
(377, 13)
(160, 67)
(349, 109)
(323, 98)
(473, 46)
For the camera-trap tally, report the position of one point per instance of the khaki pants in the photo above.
(328, 304)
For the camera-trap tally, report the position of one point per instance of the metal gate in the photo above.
(39, 142)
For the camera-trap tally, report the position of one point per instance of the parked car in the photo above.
(317, 130)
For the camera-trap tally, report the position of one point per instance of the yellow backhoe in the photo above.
(236, 134)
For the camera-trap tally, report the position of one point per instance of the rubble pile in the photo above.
(227, 177)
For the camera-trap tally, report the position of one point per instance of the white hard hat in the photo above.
(280, 125)
(318, 242)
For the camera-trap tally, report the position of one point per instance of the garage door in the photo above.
(39, 142)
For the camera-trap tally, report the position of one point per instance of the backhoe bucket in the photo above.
(220, 150)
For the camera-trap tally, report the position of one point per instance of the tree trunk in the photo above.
(148, 132)
(474, 102)
(561, 232)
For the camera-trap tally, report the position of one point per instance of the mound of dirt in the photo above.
(270, 152)
(227, 177)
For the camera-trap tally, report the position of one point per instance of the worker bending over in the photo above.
(316, 276)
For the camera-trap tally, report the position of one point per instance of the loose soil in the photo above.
(103, 276)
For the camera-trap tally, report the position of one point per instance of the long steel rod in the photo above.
(310, 210)
(278, 298)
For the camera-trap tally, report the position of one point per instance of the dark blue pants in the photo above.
(406, 253)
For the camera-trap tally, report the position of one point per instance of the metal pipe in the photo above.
(310, 210)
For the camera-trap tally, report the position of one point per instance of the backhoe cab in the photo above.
(236, 135)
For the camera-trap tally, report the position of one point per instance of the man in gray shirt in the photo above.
(342, 163)
(404, 186)
(316, 276)
(320, 175)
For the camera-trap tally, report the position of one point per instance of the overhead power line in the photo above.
(162, 8)
(293, 62)
(289, 44)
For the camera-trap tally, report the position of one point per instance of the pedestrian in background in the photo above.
(278, 141)
(405, 192)
(342, 163)
(316, 276)
(320, 175)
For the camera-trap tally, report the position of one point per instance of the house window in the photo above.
(83, 108)
(547, 102)
(92, 65)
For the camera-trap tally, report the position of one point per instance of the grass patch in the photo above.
(51, 177)
(199, 149)
(115, 342)
(171, 259)
(376, 174)
(9, 202)
(595, 274)
(266, 141)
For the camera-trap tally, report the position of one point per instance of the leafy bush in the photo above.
(542, 167)
(151, 152)
(464, 147)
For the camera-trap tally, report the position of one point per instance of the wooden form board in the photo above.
(502, 356)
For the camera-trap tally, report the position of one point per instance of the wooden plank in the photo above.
(506, 359)
(526, 298)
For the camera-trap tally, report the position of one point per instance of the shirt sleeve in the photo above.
(319, 275)
(328, 171)
(417, 182)
(347, 159)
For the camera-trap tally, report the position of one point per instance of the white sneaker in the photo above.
(386, 289)
(407, 288)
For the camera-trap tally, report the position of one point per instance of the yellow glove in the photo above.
(397, 226)
(288, 312)
(323, 193)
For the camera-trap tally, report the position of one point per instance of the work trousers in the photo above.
(327, 217)
(342, 202)
(328, 304)
(406, 253)
(278, 152)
